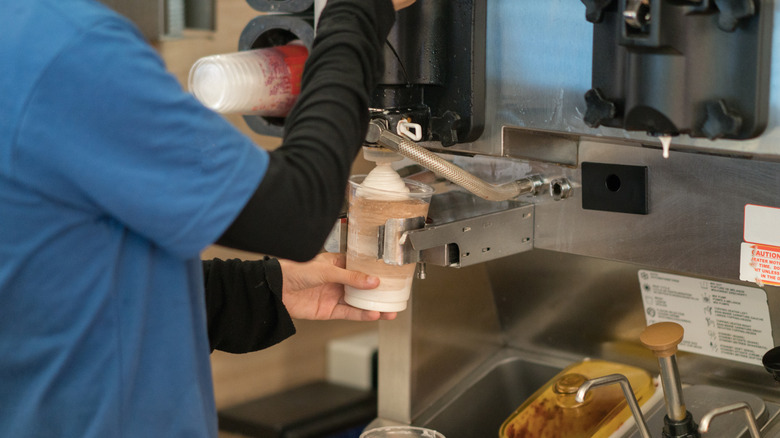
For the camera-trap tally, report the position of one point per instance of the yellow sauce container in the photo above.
(553, 412)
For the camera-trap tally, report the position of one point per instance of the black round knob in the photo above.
(771, 362)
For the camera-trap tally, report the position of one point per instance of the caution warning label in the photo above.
(760, 251)
(760, 264)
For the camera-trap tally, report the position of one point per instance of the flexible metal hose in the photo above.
(463, 178)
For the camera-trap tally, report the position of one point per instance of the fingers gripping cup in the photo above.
(264, 82)
(370, 208)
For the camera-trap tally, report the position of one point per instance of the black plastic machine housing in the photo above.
(696, 67)
(434, 64)
(435, 70)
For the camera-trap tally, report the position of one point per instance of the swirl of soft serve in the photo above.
(383, 183)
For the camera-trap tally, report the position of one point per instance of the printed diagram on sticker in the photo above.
(724, 320)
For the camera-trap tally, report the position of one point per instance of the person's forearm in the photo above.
(244, 308)
(299, 198)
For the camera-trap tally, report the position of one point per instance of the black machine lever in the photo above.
(435, 70)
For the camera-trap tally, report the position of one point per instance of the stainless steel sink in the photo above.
(478, 405)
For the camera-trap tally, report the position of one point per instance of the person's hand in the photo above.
(400, 4)
(315, 289)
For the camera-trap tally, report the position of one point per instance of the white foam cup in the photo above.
(263, 82)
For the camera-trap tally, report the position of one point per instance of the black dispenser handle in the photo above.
(771, 362)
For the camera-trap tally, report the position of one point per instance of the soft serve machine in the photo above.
(626, 154)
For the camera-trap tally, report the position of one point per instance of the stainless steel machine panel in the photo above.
(576, 293)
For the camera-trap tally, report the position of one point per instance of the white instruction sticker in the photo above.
(720, 319)
(761, 225)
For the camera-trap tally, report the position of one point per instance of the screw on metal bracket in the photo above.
(421, 274)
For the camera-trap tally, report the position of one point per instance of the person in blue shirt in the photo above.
(113, 180)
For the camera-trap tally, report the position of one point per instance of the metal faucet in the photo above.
(639, 418)
(706, 420)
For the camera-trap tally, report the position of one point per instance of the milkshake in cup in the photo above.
(369, 208)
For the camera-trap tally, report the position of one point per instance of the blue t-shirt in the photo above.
(112, 180)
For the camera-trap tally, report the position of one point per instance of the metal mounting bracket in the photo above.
(497, 230)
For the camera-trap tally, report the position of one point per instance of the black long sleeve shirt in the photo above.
(301, 194)
(244, 305)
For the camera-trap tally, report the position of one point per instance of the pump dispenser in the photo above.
(662, 338)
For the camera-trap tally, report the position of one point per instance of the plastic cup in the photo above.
(401, 432)
(264, 82)
(368, 210)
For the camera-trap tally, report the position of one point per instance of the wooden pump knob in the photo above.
(662, 338)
